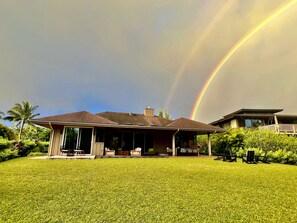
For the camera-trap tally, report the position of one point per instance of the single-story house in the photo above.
(117, 133)
(259, 118)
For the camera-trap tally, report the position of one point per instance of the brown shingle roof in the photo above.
(77, 117)
(134, 119)
(184, 123)
(126, 120)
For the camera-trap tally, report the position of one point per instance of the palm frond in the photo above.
(22, 113)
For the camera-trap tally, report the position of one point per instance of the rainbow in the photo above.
(235, 48)
(196, 46)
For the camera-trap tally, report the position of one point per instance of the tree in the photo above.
(21, 114)
(164, 114)
(36, 133)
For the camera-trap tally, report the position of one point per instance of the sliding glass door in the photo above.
(78, 138)
(71, 139)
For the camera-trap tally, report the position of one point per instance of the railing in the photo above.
(281, 128)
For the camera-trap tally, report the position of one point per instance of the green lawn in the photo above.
(146, 190)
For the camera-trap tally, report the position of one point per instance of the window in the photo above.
(253, 122)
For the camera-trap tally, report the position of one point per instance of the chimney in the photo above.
(149, 112)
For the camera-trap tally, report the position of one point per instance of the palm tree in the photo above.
(21, 114)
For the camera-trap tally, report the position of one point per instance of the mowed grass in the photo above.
(146, 190)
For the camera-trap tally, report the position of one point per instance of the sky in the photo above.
(107, 55)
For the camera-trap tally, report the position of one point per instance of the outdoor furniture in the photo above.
(79, 152)
(109, 152)
(63, 150)
(263, 159)
(230, 158)
(136, 152)
(219, 156)
(250, 157)
(169, 151)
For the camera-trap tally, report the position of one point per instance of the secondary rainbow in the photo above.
(206, 33)
(235, 48)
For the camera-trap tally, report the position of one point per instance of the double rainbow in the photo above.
(235, 48)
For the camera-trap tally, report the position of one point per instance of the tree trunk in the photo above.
(21, 130)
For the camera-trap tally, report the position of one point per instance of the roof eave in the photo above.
(45, 123)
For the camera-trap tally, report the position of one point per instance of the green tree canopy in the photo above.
(164, 114)
(21, 115)
(36, 133)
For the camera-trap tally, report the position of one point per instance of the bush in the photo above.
(42, 147)
(25, 147)
(4, 144)
(7, 154)
(6, 132)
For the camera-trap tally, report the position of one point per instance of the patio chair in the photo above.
(79, 151)
(263, 159)
(136, 152)
(109, 152)
(169, 151)
(230, 158)
(250, 157)
(63, 151)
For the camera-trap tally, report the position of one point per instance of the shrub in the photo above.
(41, 147)
(4, 144)
(6, 132)
(25, 147)
(7, 154)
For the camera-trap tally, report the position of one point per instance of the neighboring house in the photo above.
(122, 132)
(262, 118)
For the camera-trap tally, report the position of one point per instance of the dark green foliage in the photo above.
(231, 141)
(272, 146)
(9, 150)
(25, 147)
(6, 132)
(8, 154)
(4, 144)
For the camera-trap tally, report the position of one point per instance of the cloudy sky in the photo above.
(112, 55)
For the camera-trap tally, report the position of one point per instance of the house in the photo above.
(262, 118)
(120, 133)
